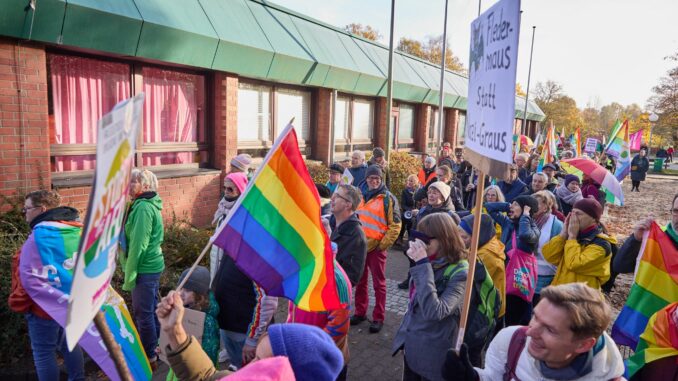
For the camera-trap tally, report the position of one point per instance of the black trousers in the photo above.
(635, 185)
(518, 311)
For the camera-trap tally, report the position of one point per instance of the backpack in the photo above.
(484, 306)
(612, 249)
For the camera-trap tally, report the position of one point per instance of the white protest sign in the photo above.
(116, 146)
(346, 177)
(492, 88)
(591, 145)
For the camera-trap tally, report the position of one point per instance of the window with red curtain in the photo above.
(174, 118)
(82, 91)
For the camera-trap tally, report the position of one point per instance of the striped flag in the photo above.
(275, 235)
(548, 152)
(635, 140)
(655, 286)
(660, 340)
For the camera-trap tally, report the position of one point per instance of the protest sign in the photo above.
(346, 177)
(591, 144)
(116, 145)
(492, 87)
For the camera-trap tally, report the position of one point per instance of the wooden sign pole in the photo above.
(471, 260)
(112, 346)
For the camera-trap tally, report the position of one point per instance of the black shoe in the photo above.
(375, 326)
(404, 285)
(357, 319)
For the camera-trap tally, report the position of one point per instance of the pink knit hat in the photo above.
(239, 179)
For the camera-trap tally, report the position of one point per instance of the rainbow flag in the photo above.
(614, 142)
(655, 286)
(548, 152)
(624, 159)
(275, 235)
(659, 340)
(577, 142)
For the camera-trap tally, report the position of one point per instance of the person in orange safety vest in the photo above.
(379, 215)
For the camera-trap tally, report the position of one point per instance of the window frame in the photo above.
(350, 141)
(406, 144)
(136, 87)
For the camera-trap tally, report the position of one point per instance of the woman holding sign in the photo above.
(141, 257)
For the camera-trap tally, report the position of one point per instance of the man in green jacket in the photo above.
(141, 258)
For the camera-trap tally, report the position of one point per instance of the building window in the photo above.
(433, 130)
(461, 128)
(174, 118)
(406, 126)
(254, 115)
(354, 124)
(295, 104)
(82, 91)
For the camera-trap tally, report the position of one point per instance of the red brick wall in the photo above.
(381, 125)
(323, 113)
(451, 122)
(194, 198)
(225, 120)
(24, 138)
(423, 116)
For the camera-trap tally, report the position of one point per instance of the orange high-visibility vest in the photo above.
(423, 179)
(373, 217)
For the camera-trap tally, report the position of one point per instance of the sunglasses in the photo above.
(229, 189)
(414, 234)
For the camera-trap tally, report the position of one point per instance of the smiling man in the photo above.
(565, 340)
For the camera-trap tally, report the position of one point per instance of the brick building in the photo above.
(220, 78)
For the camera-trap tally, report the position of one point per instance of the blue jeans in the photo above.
(47, 337)
(233, 343)
(144, 301)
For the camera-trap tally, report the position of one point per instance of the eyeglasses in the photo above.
(374, 178)
(674, 211)
(229, 189)
(24, 209)
(341, 197)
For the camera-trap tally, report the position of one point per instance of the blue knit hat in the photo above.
(312, 353)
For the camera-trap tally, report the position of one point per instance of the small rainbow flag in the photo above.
(576, 142)
(548, 152)
(659, 340)
(275, 235)
(655, 286)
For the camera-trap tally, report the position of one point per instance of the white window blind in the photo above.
(341, 119)
(294, 103)
(461, 127)
(406, 122)
(433, 126)
(363, 119)
(254, 122)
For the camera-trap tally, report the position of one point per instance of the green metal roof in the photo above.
(252, 38)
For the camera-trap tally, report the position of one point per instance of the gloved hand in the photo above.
(458, 366)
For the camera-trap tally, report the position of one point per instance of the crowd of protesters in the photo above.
(543, 259)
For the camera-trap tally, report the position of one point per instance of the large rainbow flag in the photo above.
(275, 235)
(659, 340)
(614, 142)
(655, 286)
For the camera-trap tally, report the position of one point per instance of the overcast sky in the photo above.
(599, 50)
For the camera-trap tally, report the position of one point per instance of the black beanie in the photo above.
(374, 170)
(528, 201)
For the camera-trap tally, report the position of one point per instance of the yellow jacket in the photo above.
(579, 262)
(493, 257)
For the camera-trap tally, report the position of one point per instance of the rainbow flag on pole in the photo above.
(659, 340)
(577, 142)
(613, 146)
(655, 286)
(275, 235)
(548, 152)
(635, 140)
(624, 159)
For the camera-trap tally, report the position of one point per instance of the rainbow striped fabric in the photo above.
(548, 152)
(659, 340)
(655, 286)
(275, 235)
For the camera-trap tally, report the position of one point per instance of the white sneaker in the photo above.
(223, 356)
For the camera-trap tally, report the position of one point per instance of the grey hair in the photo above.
(145, 178)
(353, 194)
(542, 175)
(360, 153)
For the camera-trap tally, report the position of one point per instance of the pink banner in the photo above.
(635, 140)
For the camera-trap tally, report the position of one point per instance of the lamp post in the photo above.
(653, 118)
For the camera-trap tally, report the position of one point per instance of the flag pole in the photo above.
(441, 103)
(523, 127)
(389, 86)
(275, 146)
(112, 346)
(473, 254)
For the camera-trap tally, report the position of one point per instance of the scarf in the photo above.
(568, 196)
(223, 209)
(542, 219)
